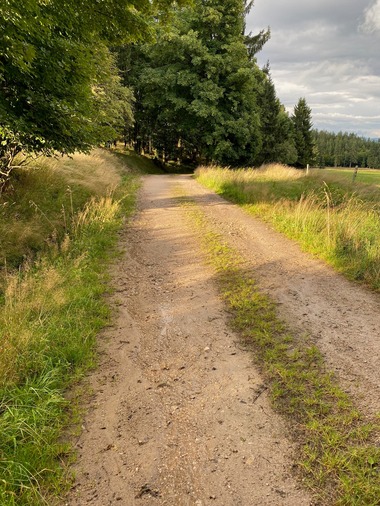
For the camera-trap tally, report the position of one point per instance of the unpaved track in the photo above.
(179, 414)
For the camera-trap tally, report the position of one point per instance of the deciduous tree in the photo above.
(55, 70)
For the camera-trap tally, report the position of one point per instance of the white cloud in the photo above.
(371, 21)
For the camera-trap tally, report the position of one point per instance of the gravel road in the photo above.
(179, 415)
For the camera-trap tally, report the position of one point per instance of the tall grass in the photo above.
(329, 216)
(52, 308)
(36, 210)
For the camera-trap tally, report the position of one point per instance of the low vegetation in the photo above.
(369, 176)
(338, 455)
(330, 216)
(67, 213)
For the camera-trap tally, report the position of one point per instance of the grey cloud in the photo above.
(292, 13)
(371, 21)
(326, 53)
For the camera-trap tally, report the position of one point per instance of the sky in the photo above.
(327, 51)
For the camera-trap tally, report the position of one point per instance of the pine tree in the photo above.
(303, 133)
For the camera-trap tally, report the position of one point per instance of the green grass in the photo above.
(38, 207)
(339, 455)
(328, 215)
(52, 308)
(367, 176)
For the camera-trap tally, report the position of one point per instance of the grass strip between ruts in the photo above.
(339, 452)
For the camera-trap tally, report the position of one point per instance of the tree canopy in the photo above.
(55, 70)
(196, 87)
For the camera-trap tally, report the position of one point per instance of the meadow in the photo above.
(329, 215)
(369, 176)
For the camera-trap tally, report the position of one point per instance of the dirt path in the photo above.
(343, 317)
(180, 416)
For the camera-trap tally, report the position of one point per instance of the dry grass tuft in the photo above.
(269, 172)
(30, 296)
(40, 207)
(97, 171)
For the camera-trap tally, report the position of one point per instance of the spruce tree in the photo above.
(276, 126)
(197, 88)
(303, 133)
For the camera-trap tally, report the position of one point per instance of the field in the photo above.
(328, 215)
(369, 176)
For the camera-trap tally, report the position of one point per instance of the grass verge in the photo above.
(328, 215)
(339, 452)
(52, 308)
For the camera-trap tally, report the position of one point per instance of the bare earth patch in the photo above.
(180, 415)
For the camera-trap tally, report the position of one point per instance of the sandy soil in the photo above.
(179, 414)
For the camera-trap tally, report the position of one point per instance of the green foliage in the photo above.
(59, 87)
(345, 150)
(303, 133)
(276, 126)
(197, 87)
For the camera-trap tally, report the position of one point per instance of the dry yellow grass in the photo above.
(328, 214)
(45, 196)
(270, 172)
(29, 297)
(98, 171)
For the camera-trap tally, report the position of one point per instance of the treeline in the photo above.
(177, 79)
(345, 150)
(201, 97)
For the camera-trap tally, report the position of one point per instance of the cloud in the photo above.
(320, 50)
(371, 21)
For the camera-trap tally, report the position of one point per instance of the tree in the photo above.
(276, 126)
(196, 88)
(344, 149)
(303, 133)
(54, 60)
